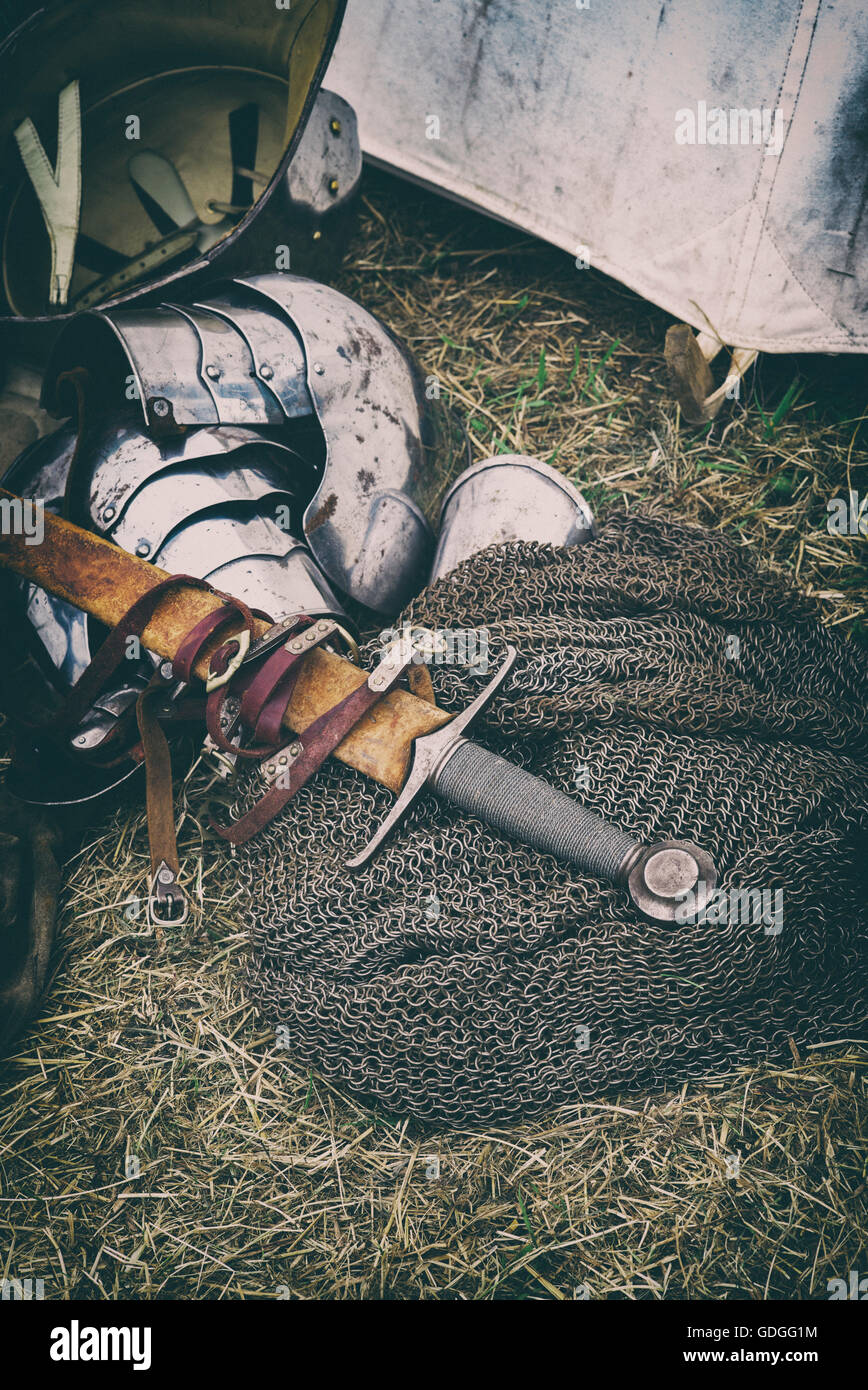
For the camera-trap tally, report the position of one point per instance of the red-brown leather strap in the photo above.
(167, 902)
(276, 675)
(190, 649)
(274, 681)
(299, 759)
(266, 691)
(265, 700)
(113, 650)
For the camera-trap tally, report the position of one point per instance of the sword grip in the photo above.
(526, 808)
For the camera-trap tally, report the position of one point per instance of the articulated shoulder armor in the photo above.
(272, 438)
(365, 523)
(315, 371)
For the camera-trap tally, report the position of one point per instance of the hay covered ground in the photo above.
(153, 1141)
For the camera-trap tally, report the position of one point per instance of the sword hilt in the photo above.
(660, 878)
(526, 808)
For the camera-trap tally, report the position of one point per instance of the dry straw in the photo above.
(154, 1144)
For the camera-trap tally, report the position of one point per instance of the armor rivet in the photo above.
(82, 738)
(318, 368)
(317, 236)
(335, 126)
(266, 372)
(323, 624)
(108, 514)
(143, 549)
(283, 760)
(296, 646)
(270, 769)
(166, 671)
(166, 876)
(160, 407)
(333, 187)
(212, 372)
(295, 749)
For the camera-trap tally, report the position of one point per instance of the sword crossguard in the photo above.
(429, 752)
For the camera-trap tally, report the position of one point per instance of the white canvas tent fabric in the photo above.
(573, 122)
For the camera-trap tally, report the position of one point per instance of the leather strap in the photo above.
(113, 650)
(267, 690)
(58, 189)
(191, 648)
(265, 700)
(167, 901)
(291, 766)
(264, 691)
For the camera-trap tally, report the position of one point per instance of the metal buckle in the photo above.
(165, 894)
(350, 643)
(222, 764)
(215, 681)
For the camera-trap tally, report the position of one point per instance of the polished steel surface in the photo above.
(274, 346)
(509, 498)
(364, 524)
(168, 501)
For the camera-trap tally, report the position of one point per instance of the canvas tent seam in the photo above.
(685, 245)
(830, 318)
(768, 172)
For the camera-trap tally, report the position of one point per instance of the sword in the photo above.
(659, 877)
(403, 742)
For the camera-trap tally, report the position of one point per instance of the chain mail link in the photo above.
(461, 978)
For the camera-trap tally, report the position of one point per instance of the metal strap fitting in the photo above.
(223, 763)
(399, 654)
(167, 903)
(279, 764)
(320, 632)
(217, 678)
(311, 636)
(280, 634)
(272, 638)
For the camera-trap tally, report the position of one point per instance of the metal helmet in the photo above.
(311, 371)
(143, 142)
(509, 498)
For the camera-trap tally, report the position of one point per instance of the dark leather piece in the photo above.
(30, 855)
(113, 650)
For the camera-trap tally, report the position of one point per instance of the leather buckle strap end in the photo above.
(216, 679)
(167, 902)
